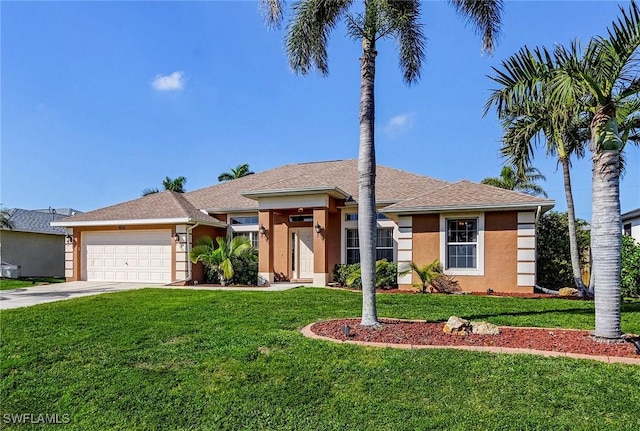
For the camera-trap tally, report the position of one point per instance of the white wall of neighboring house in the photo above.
(632, 219)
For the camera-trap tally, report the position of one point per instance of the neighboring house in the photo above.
(303, 220)
(33, 244)
(631, 224)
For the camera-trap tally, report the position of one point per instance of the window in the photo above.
(253, 237)
(354, 217)
(626, 229)
(462, 243)
(306, 218)
(244, 220)
(384, 245)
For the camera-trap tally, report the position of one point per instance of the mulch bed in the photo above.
(423, 333)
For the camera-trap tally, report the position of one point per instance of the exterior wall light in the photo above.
(319, 228)
(262, 230)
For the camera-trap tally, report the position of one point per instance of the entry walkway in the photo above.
(28, 296)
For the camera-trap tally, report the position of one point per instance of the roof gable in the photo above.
(468, 195)
(166, 206)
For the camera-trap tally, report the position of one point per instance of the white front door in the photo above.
(303, 253)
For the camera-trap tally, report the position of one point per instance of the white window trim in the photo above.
(388, 223)
(241, 227)
(480, 243)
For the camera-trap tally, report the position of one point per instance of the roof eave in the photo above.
(334, 192)
(184, 220)
(545, 206)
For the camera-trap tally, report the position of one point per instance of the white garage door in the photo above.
(141, 256)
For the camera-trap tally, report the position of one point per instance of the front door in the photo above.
(303, 253)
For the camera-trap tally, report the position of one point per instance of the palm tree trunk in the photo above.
(606, 244)
(366, 185)
(571, 221)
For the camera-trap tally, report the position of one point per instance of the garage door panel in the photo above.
(128, 256)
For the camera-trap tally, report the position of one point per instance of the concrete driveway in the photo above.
(28, 296)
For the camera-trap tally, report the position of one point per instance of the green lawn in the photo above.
(10, 283)
(178, 359)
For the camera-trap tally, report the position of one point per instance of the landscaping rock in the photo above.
(568, 291)
(484, 328)
(456, 326)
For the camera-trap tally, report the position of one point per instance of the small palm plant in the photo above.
(428, 274)
(5, 219)
(220, 259)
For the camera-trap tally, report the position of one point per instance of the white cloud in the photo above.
(398, 125)
(171, 82)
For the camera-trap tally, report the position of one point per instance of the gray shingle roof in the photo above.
(392, 185)
(36, 221)
(466, 194)
(163, 205)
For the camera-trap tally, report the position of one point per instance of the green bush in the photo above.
(554, 258)
(245, 272)
(630, 273)
(349, 275)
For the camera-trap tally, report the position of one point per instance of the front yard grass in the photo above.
(182, 359)
(19, 283)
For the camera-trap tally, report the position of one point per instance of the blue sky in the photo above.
(100, 100)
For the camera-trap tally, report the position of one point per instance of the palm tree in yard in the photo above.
(306, 41)
(219, 259)
(525, 182)
(5, 219)
(173, 184)
(603, 81)
(239, 172)
(564, 128)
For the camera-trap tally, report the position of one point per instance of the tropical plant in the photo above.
(509, 179)
(427, 274)
(600, 81)
(564, 128)
(5, 219)
(306, 41)
(630, 267)
(220, 259)
(386, 275)
(239, 172)
(173, 184)
(554, 267)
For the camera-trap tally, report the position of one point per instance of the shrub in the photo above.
(554, 258)
(630, 273)
(349, 275)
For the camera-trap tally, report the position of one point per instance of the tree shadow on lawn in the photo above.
(626, 307)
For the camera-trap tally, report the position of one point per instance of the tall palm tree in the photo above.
(525, 182)
(564, 129)
(600, 81)
(239, 172)
(306, 40)
(173, 184)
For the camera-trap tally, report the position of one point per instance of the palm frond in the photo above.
(273, 11)
(404, 20)
(308, 33)
(485, 16)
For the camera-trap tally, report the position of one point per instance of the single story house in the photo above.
(302, 218)
(32, 244)
(631, 224)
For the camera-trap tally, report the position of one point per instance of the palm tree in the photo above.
(600, 82)
(5, 219)
(428, 273)
(173, 184)
(239, 172)
(510, 180)
(306, 40)
(525, 123)
(219, 259)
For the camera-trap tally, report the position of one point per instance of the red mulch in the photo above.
(402, 332)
